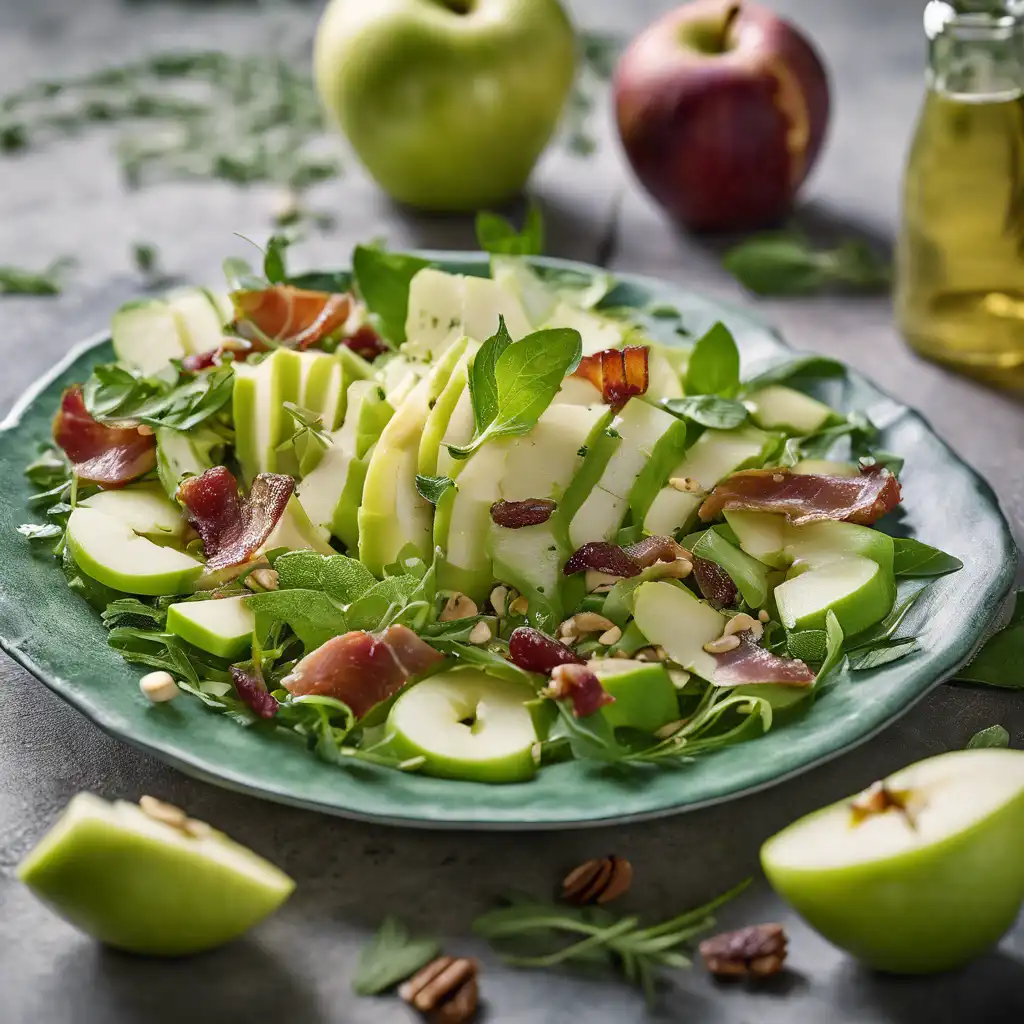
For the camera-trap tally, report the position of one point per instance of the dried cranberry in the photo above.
(578, 685)
(534, 651)
(650, 550)
(253, 691)
(715, 583)
(239, 348)
(602, 556)
(514, 515)
(365, 342)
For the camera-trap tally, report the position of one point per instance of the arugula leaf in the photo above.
(803, 366)
(590, 738)
(391, 956)
(431, 488)
(312, 616)
(385, 601)
(496, 234)
(993, 736)
(883, 631)
(37, 531)
(383, 280)
(833, 648)
(914, 558)
(18, 281)
(999, 661)
(708, 410)
(49, 470)
(469, 655)
(785, 264)
(527, 376)
(874, 657)
(155, 650)
(483, 380)
(274, 268)
(130, 611)
(309, 431)
(341, 578)
(714, 364)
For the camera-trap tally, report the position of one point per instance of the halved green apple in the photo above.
(467, 725)
(222, 626)
(108, 549)
(146, 886)
(645, 696)
(921, 873)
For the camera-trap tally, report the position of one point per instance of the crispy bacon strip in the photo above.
(806, 498)
(100, 453)
(253, 691)
(578, 685)
(752, 663)
(714, 583)
(365, 342)
(514, 515)
(233, 529)
(361, 669)
(239, 349)
(295, 317)
(602, 556)
(619, 374)
(651, 550)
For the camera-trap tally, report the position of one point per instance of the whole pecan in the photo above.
(445, 991)
(600, 880)
(757, 952)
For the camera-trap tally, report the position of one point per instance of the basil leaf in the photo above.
(804, 366)
(274, 269)
(708, 410)
(833, 648)
(914, 558)
(993, 736)
(714, 364)
(496, 234)
(483, 380)
(1000, 660)
(382, 279)
(391, 956)
(874, 657)
(527, 375)
(431, 488)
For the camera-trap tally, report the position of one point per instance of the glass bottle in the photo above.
(960, 257)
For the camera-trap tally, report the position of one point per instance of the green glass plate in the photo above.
(58, 638)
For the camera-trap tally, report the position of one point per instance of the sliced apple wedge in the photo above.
(222, 626)
(144, 508)
(856, 589)
(156, 883)
(920, 873)
(467, 725)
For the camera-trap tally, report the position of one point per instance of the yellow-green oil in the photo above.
(960, 261)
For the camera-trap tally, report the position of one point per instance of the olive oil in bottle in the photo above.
(960, 258)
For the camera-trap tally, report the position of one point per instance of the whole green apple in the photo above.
(922, 872)
(448, 103)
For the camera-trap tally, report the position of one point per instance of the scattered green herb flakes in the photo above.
(708, 410)
(49, 281)
(495, 234)
(993, 736)
(786, 264)
(714, 364)
(382, 279)
(913, 558)
(431, 488)
(391, 956)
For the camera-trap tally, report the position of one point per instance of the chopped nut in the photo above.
(778, 478)
(519, 606)
(660, 653)
(669, 729)
(499, 595)
(458, 606)
(678, 569)
(159, 686)
(686, 484)
(757, 952)
(262, 579)
(145, 429)
(610, 636)
(646, 654)
(160, 811)
(600, 582)
(445, 990)
(722, 645)
(197, 829)
(763, 615)
(597, 881)
(743, 623)
(480, 633)
(590, 622)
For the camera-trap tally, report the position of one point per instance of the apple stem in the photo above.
(732, 12)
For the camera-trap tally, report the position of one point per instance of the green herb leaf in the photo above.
(383, 279)
(804, 366)
(785, 264)
(807, 644)
(36, 531)
(714, 364)
(483, 376)
(391, 956)
(999, 662)
(146, 258)
(498, 235)
(708, 410)
(18, 281)
(431, 488)
(882, 632)
(312, 616)
(481, 657)
(49, 470)
(833, 648)
(274, 266)
(874, 657)
(663, 311)
(527, 376)
(309, 429)
(993, 736)
(913, 558)
(591, 738)
(341, 578)
(130, 611)
(240, 276)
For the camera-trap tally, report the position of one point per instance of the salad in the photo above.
(473, 526)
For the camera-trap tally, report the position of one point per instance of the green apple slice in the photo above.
(921, 873)
(483, 302)
(261, 421)
(184, 452)
(107, 549)
(436, 427)
(221, 626)
(645, 696)
(467, 725)
(780, 408)
(145, 886)
(514, 275)
(459, 431)
(670, 616)
(598, 332)
(664, 380)
(146, 335)
(199, 320)
(144, 508)
(296, 532)
(857, 590)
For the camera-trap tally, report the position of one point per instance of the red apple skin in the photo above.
(722, 140)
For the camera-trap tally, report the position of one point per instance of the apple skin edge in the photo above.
(722, 140)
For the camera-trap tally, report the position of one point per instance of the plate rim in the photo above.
(195, 766)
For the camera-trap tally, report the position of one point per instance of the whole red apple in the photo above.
(722, 108)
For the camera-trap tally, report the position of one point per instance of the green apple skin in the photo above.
(645, 697)
(930, 909)
(220, 626)
(142, 886)
(447, 110)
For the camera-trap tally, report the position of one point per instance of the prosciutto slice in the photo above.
(618, 373)
(362, 669)
(232, 528)
(751, 663)
(110, 455)
(806, 498)
(292, 316)
(581, 687)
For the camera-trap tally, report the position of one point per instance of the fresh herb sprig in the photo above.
(391, 956)
(995, 736)
(20, 281)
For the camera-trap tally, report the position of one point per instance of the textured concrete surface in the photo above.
(67, 198)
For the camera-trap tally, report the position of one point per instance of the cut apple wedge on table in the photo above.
(144, 885)
(920, 873)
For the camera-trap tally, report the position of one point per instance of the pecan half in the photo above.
(445, 991)
(756, 952)
(600, 880)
